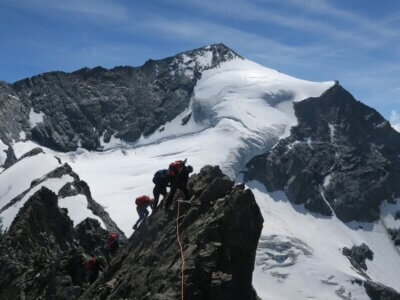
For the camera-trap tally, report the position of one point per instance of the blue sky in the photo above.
(354, 41)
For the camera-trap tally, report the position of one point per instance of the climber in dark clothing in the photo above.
(179, 181)
(161, 182)
(142, 202)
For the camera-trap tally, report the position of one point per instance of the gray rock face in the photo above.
(13, 114)
(77, 109)
(73, 188)
(357, 256)
(36, 245)
(395, 235)
(219, 229)
(42, 256)
(377, 291)
(342, 158)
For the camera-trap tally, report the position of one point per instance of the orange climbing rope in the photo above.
(181, 249)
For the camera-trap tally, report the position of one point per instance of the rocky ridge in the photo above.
(357, 256)
(342, 158)
(72, 188)
(42, 255)
(220, 226)
(87, 107)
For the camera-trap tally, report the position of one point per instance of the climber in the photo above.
(94, 265)
(113, 243)
(142, 202)
(178, 176)
(161, 182)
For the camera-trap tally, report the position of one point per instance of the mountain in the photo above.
(65, 111)
(322, 166)
(342, 158)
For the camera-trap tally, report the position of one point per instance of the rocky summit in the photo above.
(64, 111)
(42, 256)
(342, 158)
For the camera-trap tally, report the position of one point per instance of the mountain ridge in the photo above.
(79, 107)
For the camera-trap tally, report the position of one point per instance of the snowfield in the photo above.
(238, 110)
(325, 272)
(18, 178)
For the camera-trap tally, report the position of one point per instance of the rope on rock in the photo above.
(181, 250)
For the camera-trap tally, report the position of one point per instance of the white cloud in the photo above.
(95, 9)
(253, 46)
(323, 7)
(395, 120)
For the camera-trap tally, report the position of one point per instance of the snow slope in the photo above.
(54, 184)
(18, 178)
(238, 110)
(324, 272)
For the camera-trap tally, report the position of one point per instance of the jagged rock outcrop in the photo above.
(395, 235)
(378, 291)
(33, 248)
(42, 256)
(66, 110)
(72, 188)
(11, 159)
(219, 228)
(90, 235)
(12, 114)
(357, 256)
(342, 156)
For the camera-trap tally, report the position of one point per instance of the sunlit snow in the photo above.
(18, 178)
(35, 118)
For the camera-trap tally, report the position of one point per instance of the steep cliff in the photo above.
(219, 229)
(43, 256)
(342, 158)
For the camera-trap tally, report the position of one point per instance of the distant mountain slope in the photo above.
(64, 111)
(342, 158)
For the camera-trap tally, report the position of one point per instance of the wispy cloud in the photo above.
(395, 120)
(323, 7)
(256, 46)
(104, 9)
(260, 12)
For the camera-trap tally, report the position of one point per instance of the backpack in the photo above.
(175, 167)
(159, 176)
(142, 200)
(113, 237)
(91, 263)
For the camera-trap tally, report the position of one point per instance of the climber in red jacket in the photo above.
(142, 202)
(93, 266)
(113, 243)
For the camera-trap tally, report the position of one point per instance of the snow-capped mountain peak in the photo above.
(304, 140)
